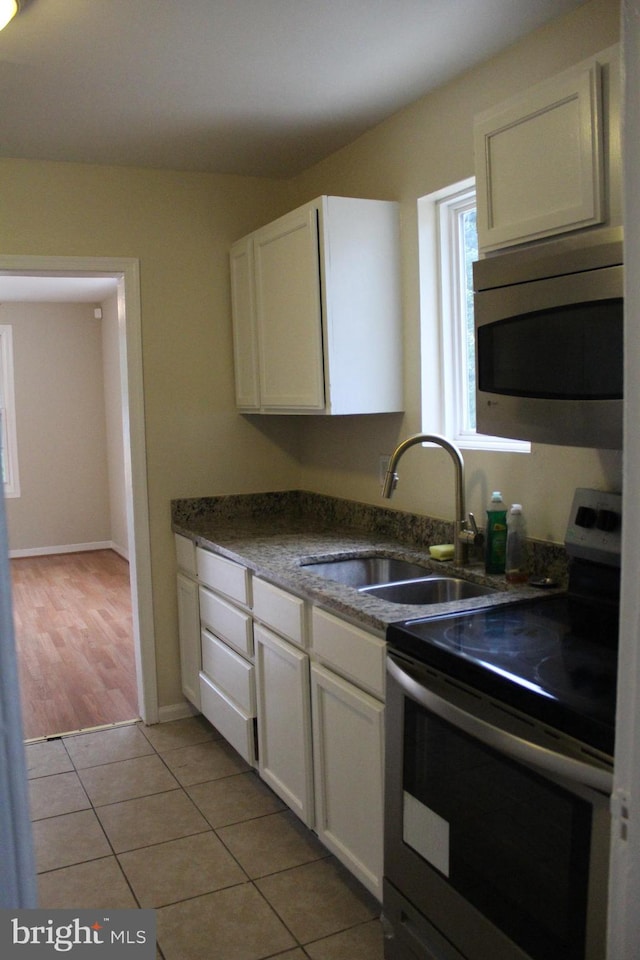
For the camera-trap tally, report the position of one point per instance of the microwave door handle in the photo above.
(501, 740)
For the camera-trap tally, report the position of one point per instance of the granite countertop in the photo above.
(275, 534)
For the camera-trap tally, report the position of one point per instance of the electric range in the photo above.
(553, 658)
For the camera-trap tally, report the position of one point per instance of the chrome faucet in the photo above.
(463, 536)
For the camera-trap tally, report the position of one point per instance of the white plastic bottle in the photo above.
(516, 565)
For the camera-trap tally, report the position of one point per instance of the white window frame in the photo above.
(8, 437)
(444, 350)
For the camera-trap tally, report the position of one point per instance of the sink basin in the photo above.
(397, 581)
(366, 571)
(433, 589)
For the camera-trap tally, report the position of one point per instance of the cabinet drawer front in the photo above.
(234, 725)
(226, 621)
(280, 610)
(352, 652)
(224, 575)
(186, 555)
(230, 672)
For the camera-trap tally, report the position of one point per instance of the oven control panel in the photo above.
(594, 531)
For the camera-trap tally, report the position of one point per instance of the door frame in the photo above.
(127, 273)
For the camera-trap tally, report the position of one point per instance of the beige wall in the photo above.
(60, 425)
(180, 227)
(419, 150)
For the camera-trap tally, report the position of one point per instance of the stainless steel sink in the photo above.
(432, 589)
(397, 581)
(366, 571)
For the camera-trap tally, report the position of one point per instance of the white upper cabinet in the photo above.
(289, 312)
(548, 160)
(317, 315)
(245, 345)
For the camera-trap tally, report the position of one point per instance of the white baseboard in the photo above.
(67, 548)
(121, 551)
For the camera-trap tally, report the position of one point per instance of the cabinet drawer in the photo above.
(235, 726)
(229, 671)
(280, 610)
(224, 575)
(186, 555)
(226, 621)
(352, 652)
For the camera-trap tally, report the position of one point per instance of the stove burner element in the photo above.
(505, 637)
(581, 675)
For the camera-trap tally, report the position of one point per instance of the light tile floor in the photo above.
(171, 817)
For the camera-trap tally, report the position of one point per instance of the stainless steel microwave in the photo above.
(549, 341)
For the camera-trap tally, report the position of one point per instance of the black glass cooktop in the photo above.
(553, 659)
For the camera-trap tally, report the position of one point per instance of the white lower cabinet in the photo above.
(189, 636)
(188, 618)
(284, 721)
(236, 726)
(348, 753)
(226, 680)
(297, 691)
(227, 694)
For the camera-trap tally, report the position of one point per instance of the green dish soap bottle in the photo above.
(496, 535)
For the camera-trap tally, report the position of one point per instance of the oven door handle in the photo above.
(507, 743)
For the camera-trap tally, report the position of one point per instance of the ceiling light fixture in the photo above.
(8, 10)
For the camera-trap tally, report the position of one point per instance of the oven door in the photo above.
(496, 837)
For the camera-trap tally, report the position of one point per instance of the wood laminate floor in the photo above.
(73, 627)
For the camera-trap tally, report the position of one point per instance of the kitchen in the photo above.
(57, 209)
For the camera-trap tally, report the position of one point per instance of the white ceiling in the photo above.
(251, 87)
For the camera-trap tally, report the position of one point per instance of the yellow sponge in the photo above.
(442, 551)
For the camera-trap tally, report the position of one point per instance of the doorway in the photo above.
(124, 274)
(74, 642)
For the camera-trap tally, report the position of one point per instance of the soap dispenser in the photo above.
(496, 539)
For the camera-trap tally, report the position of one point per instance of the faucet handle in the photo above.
(470, 533)
(390, 483)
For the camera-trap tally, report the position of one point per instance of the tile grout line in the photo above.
(113, 852)
(210, 829)
(248, 880)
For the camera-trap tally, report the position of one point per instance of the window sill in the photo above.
(492, 444)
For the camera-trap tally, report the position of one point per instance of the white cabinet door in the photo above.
(289, 312)
(348, 749)
(284, 729)
(540, 161)
(317, 310)
(245, 346)
(189, 637)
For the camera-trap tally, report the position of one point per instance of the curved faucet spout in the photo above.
(391, 481)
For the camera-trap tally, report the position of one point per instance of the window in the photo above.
(448, 247)
(8, 440)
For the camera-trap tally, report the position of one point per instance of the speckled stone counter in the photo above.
(274, 534)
